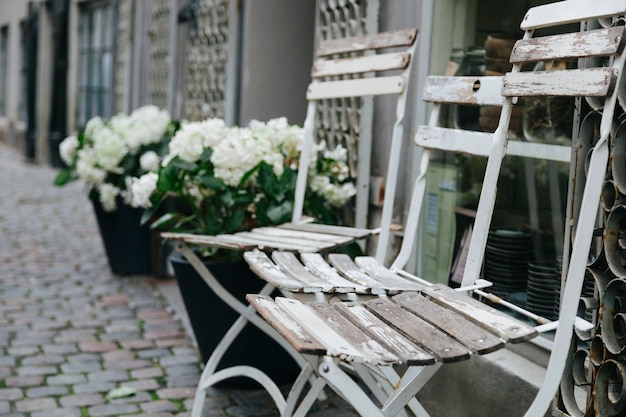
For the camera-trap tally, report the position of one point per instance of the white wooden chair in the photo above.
(435, 324)
(362, 66)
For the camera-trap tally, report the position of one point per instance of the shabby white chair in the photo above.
(435, 324)
(362, 66)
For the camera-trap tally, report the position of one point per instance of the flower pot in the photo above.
(126, 241)
(211, 318)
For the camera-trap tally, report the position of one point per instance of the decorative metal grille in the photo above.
(159, 52)
(208, 56)
(597, 362)
(338, 121)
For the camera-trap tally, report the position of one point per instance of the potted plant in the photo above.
(107, 156)
(228, 179)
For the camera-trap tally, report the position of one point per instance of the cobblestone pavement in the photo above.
(70, 331)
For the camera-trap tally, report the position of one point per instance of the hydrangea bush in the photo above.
(226, 180)
(109, 155)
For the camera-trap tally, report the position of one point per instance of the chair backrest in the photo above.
(573, 35)
(362, 66)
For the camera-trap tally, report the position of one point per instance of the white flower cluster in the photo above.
(335, 165)
(106, 144)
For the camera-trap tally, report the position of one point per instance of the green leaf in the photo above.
(280, 213)
(63, 177)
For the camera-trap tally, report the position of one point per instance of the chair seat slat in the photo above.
(601, 42)
(356, 87)
(268, 242)
(561, 13)
(468, 333)
(360, 65)
(267, 270)
(293, 268)
(283, 233)
(319, 267)
(295, 334)
(364, 42)
(348, 269)
(372, 267)
(419, 332)
(407, 351)
(353, 232)
(508, 328)
(593, 82)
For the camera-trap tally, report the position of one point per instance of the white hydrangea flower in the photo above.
(142, 188)
(110, 148)
(108, 194)
(147, 126)
(86, 167)
(336, 194)
(235, 155)
(193, 138)
(94, 124)
(149, 161)
(68, 148)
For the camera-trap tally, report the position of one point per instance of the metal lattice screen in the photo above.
(121, 56)
(207, 60)
(159, 52)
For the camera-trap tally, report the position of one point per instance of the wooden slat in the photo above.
(207, 240)
(336, 345)
(454, 140)
(464, 90)
(593, 82)
(505, 326)
(373, 351)
(292, 267)
(601, 42)
(362, 43)
(348, 269)
(353, 232)
(283, 233)
(471, 335)
(263, 242)
(319, 267)
(408, 352)
(373, 268)
(571, 11)
(263, 266)
(356, 88)
(295, 334)
(418, 331)
(360, 65)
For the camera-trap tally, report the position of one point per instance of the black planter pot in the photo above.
(211, 318)
(126, 241)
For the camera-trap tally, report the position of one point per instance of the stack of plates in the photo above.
(587, 290)
(506, 260)
(543, 284)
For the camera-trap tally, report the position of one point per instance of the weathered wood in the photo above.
(594, 43)
(365, 42)
(319, 267)
(418, 331)
(408, 352)
(295, 334)
(505, 326)
(353, 232)
(477, 90)
(356, 87)
(359, 65)
(469, 334)
(263, 242)
(292, 267)
(561, 13)
(277, 233)
(336, 345)
(372, 350)
(348, 269)
(267, 270)
(593, 82)
(375, 269)
(454, 140)
(206, 240)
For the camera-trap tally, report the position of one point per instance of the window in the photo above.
(4, 68)
(95, 62)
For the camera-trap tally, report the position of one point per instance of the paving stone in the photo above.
(69, 379)
(80, 367)
(153, 353)
(104, 410)
(176, 393)
(58, 412)
(146, 373)
(60, 349)
(23, 351)
(108, 376)
(43, 360)
(143, 384)
(46, 391)
(8, 394)
(23, 381)
(178, 360)
(95, 346)
(81, 400)
(36, 404)
(136, 344)
(5, 407)
(93, 387)
(188, 380)
(182, 370)
(159, 406)
(128, 365)
(36, 370)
